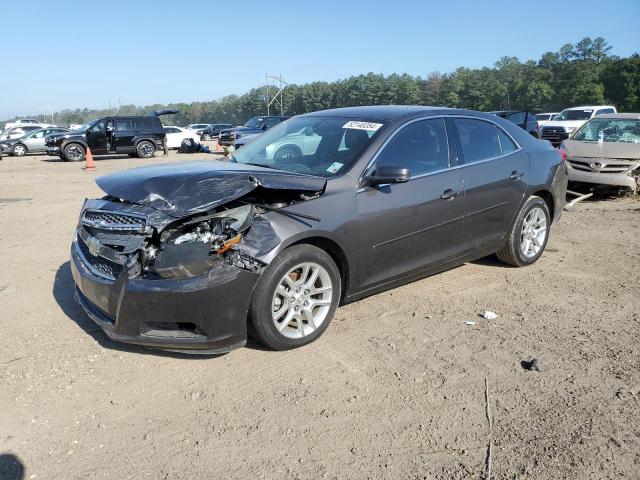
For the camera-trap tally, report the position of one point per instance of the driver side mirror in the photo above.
(384, 175)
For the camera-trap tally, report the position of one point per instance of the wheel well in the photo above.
(20, 143)
(548, 199)
(336, 253)
(138, 142)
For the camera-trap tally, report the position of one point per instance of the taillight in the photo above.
(563, 153)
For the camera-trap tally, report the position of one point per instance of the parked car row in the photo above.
(570, 120)
(32, 142)
(605, 150)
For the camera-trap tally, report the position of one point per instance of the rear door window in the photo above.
(123, 125)
(506, 144)
(479, 139)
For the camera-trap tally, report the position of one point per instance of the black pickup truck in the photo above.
(137, 136)
(254, 125)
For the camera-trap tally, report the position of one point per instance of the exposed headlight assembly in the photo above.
(221, 231)
(196, 246)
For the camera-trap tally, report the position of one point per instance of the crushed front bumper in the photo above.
(54, 151)
(204, 314)
(599, 177)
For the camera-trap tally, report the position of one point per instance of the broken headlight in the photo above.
(196, 246)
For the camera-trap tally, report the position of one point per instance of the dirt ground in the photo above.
(394, 389)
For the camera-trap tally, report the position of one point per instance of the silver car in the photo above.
(605, 151)
(33, 142)
(15, 132)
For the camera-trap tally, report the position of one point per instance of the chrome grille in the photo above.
(107, 268)
(110, 220)
(554, 134)
(600, 165)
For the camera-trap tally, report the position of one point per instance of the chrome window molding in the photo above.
(451, 168)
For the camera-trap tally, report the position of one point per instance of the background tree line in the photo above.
(581, 73)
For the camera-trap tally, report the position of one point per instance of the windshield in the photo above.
(86, 126)
(315, 145)
(610, 130)
(254, 122)
(574, 115)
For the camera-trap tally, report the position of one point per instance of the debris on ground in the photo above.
(469, 322)
(489, 315)
(532, 365)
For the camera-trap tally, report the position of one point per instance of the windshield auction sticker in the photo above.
(370, 127)
(334, 167)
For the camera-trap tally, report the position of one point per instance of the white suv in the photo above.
(571, 119)
(26, 122)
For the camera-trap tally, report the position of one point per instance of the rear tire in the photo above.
(295, 298)
(205, 137)
(74, 152)
(529, 234)
(145, 149)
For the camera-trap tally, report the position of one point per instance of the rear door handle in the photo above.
(515, 175)
(448, 194)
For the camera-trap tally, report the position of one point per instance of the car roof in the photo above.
(507, 112)
(590, 107)
(632, 116)
(383, 112)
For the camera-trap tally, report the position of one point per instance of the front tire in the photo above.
(145, 149)
(295, 298)
(529, 234)
(18, 150)
(74, 152)
(205, 137)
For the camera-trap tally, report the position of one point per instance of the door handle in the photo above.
(515, 175)
(448, 194)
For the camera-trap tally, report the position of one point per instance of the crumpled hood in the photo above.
(629, 151)
(181, 189)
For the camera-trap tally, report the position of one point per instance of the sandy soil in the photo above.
(394, 389)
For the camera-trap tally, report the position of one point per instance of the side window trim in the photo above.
(456, 154)
(372, 162)
(484, 160)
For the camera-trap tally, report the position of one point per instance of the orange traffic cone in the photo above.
(89, 165)
(217, 150)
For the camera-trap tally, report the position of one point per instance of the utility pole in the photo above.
(280, 84)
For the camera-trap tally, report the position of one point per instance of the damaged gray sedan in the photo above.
(193, 256)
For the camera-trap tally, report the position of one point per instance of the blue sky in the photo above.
(65, 54)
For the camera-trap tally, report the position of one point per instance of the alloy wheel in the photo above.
(302, 300)
(74, 153)
(146, 150)
(19, 150)
(533, 233)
